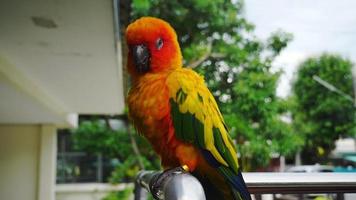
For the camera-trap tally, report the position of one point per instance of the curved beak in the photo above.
(141, 56)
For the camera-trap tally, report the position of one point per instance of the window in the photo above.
(75, 166)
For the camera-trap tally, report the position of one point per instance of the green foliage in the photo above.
(278, 41)
(320, 114)
(217, 40)
(96, 137)
(141, 5)
(128, 170)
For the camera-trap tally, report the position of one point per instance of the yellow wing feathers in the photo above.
(188, 90)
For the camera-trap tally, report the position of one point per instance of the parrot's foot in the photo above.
(185, 167)
(157, 182)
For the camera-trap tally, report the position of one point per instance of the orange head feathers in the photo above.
(153, 47)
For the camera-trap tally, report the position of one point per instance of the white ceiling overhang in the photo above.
(58, 59)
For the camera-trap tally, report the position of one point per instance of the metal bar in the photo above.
(332, 88)
(140, 192)
(176, 185)
(257, 183)
(99, 168)
(297, 183)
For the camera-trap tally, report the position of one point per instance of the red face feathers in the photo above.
(153, 47)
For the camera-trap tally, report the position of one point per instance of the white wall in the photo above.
(87, 191)
(27, 162)
(19, 154)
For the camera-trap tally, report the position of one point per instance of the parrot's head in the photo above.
(153, 47)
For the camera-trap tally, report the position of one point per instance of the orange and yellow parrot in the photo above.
(172, 107)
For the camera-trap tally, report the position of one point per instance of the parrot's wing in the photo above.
(197, 120)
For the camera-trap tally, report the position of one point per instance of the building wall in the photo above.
(27, 162)
(88, 191)
(19, 155)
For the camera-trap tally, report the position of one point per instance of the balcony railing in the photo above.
(293, 183)
(173, 188)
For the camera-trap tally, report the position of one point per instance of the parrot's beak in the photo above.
(141, 56)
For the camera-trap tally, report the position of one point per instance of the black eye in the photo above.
(159, 43)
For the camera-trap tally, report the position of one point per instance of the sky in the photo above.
(317, 26)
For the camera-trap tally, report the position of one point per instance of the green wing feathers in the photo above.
(197, 119)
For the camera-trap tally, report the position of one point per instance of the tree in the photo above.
(96, 136)
(321, 114)
(218, 41)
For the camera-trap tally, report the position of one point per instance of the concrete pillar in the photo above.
(47, 163)
(19, 156)
(282, 163)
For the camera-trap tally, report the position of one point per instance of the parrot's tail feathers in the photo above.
(237, 182)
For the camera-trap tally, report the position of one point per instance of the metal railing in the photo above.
(296, 183)
(182, 186)
(178, 185)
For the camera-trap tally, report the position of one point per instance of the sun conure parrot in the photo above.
(172, 107)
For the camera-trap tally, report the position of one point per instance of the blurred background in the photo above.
(282, 72)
